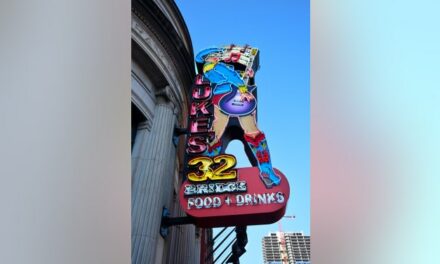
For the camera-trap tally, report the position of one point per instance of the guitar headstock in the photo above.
(244, 59)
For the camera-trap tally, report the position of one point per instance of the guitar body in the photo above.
(231, 104)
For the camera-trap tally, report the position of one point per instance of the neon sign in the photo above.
(223, 107)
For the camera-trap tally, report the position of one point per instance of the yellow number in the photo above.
(204, 168)
(205, 171)
(223, 172)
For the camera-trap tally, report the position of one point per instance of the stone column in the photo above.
(140, 143)
(154, 162)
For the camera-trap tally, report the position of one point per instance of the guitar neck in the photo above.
(249, 67)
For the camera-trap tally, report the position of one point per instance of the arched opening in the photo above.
(136, 118)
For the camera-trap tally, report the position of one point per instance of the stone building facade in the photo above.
(162, 72)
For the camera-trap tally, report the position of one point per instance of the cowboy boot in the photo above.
(258, 145)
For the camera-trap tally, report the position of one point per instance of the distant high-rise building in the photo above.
(286, 248)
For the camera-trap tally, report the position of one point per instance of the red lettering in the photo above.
(200, 107)
(199, 79)
(200, 125)
(201, 92)
(199, 118)
(196, 145)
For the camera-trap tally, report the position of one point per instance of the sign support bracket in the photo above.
(168, 221)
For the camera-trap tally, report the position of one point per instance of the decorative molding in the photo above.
(148, 18)
(144, 108)
(172, 13)
(156, 53)
(143, 100)
(159, 22)
(145, 125)
(138, 75)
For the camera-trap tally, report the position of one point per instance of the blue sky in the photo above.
(281, 31)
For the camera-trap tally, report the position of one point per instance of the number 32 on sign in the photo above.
(217, 168)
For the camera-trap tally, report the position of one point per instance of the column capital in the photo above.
(166, 96)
